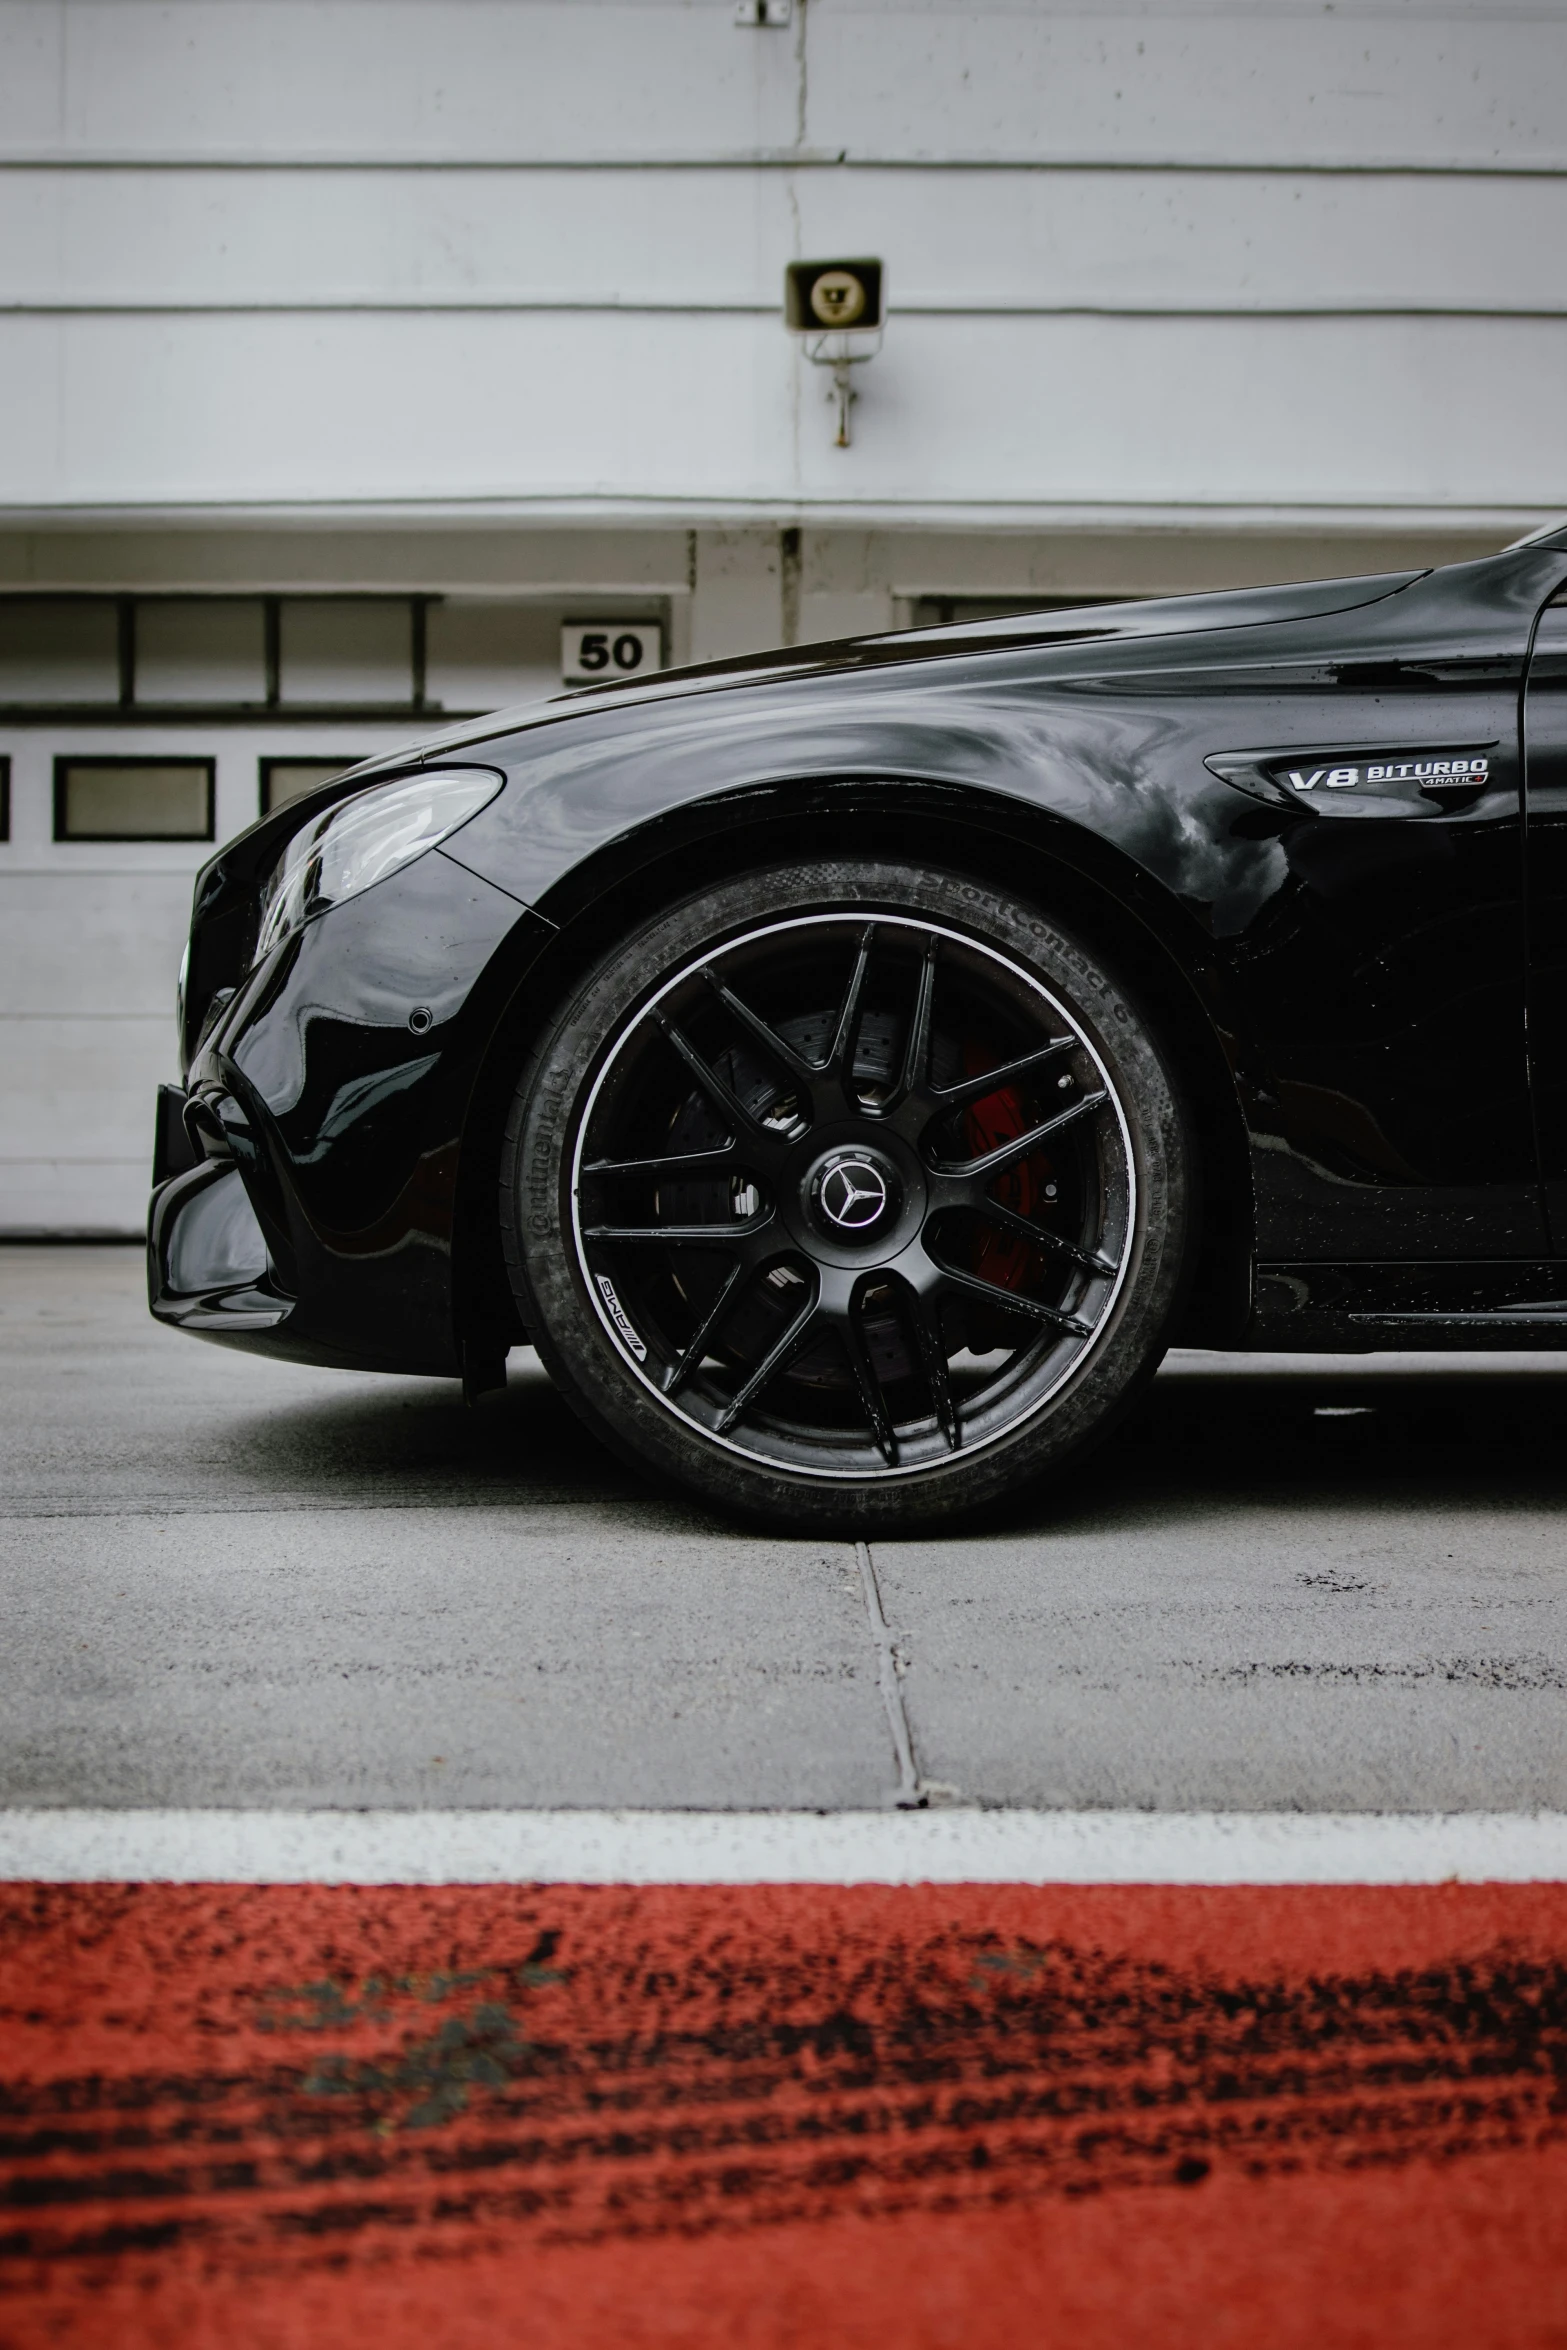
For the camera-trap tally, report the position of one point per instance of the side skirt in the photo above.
(1410, 1307)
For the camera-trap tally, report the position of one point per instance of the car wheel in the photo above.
(849, 1195)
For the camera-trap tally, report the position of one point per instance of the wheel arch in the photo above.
(1089, 884)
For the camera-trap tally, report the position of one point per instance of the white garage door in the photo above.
(135, 732)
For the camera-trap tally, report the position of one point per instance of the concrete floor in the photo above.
(1289, 1584)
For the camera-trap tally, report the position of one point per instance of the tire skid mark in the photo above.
(248, 2078)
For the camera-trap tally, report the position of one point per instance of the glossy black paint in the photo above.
(1545, 728)
(343, 1116)
(1354, 969)
(1412, 1306)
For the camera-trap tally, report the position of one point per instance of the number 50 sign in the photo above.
(604, 652)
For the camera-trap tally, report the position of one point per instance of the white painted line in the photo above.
(944, 1847)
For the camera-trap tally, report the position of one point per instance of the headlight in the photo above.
(364, 840)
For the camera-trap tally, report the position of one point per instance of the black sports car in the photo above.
(851, 1068)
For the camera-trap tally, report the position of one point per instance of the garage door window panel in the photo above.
(349, 650)
(283, 780)
(133, 799)
(59, 649)
(207, 650)
(483, 656)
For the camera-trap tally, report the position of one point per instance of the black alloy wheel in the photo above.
(833, 1190)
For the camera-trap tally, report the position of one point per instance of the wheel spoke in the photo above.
(1013, 1301)
(840, 1053)
(925, 1318)
(1021, 1146)
(712, 1321)
(1010, 1221)
(777, 1359)
(914, 1076)
(795, 1064)
(722, 1161)
(741, 1120)
(974, 1089)
(680, 1235)
(865, 1379)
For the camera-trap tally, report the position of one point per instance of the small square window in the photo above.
(483, 655)
(133, 799)
(200, 649)
(283, 780)
(58, 649)
(347, 649)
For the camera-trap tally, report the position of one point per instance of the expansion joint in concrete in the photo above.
(912, 1792)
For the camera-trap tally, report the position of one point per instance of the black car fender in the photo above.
(998, 794)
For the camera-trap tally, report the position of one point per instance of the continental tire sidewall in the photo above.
(589, 1369)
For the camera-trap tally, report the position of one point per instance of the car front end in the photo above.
(334, 1016)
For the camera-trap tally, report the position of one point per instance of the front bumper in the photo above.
(208, 1270)
(207, 1265)
(306, 1197)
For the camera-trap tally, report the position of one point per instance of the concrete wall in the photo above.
(414, 252)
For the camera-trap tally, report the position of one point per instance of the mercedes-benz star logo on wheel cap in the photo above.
(853, 1194)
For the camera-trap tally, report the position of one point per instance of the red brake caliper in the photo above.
(999, 1117)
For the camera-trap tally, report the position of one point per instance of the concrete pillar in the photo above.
(844, 587)
(737, 593)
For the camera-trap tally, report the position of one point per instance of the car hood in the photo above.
(1088, 625)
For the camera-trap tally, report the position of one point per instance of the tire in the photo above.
(774, 1235)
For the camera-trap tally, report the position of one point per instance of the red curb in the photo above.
(775, 2115)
